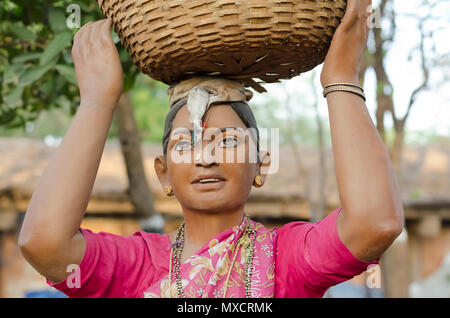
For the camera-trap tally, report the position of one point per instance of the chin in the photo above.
(213, 204)
(210, 207)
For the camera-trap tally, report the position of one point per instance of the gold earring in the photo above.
(168, 190)
(258, 181)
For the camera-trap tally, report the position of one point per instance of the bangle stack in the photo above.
(344, 87)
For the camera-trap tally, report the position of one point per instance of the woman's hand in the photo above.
(342, 63)
(97, 65)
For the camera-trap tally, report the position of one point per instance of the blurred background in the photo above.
(405, 74)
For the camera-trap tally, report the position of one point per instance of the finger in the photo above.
(364, 8)
(365, 21)
(84, 27)
(79, 33)
(366, 12)
(86, 35)
(99, 27)
(352, 8)
(106, 31)
(81, 39)
(369, 13)
(351, 14)
(87, 38)
(109, 22)
(94, 32)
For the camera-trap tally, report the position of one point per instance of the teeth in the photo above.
(209, 180)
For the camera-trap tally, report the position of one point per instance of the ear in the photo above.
(264, 165)
(161, 170)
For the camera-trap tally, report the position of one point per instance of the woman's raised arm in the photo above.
(49, 238)
(372, 215)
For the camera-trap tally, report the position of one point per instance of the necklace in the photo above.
(177, 249)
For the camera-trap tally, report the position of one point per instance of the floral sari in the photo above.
(217, 270)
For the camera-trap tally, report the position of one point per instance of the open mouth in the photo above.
(208, 182)
(208, 179)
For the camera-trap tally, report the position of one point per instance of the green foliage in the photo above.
(23, 33)
(36, 65)
(34, 73)
(423, 138)
(57, 20)
(150, 105)
(272, 113)
(415, 195)
(25, 58)
(55, 47)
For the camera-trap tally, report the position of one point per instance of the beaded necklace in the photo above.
(177, 249)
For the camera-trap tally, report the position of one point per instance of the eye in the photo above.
(182, 145)
(229, 142)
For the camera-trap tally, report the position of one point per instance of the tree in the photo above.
(375, 58)
(316, 207)
(394, 261)
(37, 73)
(296, 127)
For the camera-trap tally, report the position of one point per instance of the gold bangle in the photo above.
(344, 87)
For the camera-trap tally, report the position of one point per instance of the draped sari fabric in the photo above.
(300, 259)
(218, 268)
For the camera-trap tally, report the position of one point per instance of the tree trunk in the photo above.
(394, 262)
(397, 149)
(303, 173)
(322, 200)
(139, 191)
(395, 268)
(384, 89)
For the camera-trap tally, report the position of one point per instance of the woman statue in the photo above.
(217, 251)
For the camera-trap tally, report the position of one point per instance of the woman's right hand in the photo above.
(97, 65)
(343, 61)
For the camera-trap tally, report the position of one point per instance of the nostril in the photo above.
(204, 160)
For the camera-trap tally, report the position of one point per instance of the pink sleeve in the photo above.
(112, 266)
(318, 261)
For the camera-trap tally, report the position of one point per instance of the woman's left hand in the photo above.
(342, 63)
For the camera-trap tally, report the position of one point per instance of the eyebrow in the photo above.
(191, 131)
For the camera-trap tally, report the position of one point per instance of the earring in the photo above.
(258, 181)
(168, 190)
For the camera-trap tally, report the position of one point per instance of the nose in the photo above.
(204, 155)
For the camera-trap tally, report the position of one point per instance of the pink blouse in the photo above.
(309, 258)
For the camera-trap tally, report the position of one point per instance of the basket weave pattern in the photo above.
(171, 40)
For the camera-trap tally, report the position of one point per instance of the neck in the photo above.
(201, 227)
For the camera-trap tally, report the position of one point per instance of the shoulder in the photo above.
(263, 233)
(327, 225)
(294, 229)
(283, 230)
(151, 240)
(138, 239)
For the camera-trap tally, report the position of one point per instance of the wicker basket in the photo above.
(171, 40)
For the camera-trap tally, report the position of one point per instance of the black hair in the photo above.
(242, 109)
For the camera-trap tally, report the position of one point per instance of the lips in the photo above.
(208, 178)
